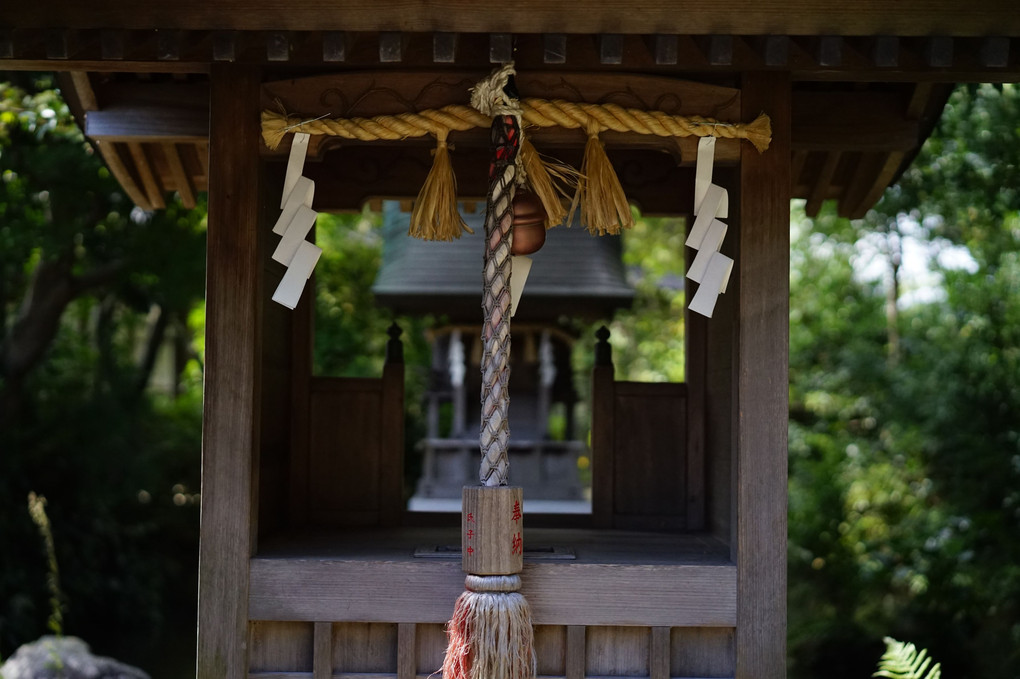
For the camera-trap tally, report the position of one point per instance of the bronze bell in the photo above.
(529, 223)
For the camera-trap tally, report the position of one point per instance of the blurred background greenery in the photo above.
(904, 394)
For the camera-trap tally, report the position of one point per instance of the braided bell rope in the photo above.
(494, 438)
(534, 112)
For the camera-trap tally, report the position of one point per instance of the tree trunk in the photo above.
(158, 319)
(892, 297)
(51, 290)
(53, 287)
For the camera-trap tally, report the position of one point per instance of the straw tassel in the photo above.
(759, 132)
(604, 206)
(274, 126)
(551, 181)
(435, 215)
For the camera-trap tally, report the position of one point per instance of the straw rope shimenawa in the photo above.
(595, 189)
(534, 112)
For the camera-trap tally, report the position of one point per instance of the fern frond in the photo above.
(903, 661)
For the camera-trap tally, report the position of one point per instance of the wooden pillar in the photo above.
(457, 367)
(762, 367)
(232, 379)
(603, 401)
(391, 466)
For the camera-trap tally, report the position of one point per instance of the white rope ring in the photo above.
(493, 583)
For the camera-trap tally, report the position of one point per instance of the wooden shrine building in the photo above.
(308, 565)
(574, 278)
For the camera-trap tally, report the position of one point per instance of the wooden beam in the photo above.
(695, 375)
(820, 191)
(168, 45)
(938, 51)
(103, 66)
(650, 179)
(322, 651)
(438, 87)
(57, 43)
(391, 466)
(776, 50)
(555, 51)
(6, 44)
(659, 653)
(995, 52)
(153, 191)
(501, 48)
(24, 51)
(224, 46)
(603, 400)
(278, 46)
(829, 51)
(83, 89)
(880, 182)
(182, 182)
(391, 47)
(885, 51)
(407, 647)
(666, 49)
(863, 193)
(444, 47)
(718, 50)
(797, 167)
(853, 121)
(111, 155)
(230, 432)
(575, 652)
(562, 593)
(334, 46)
(112, 44)
(736, 17)
(611, 48)
(148, 123)
(762, 377)
(862, 182)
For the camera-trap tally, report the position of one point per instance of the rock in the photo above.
(64, 658)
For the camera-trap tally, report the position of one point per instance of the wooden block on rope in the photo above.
(492, 530)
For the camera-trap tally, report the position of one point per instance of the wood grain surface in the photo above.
(232, 381)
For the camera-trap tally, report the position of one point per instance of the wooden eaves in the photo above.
(869, 78)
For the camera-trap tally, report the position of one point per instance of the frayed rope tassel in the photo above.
(435, 215)
(552, 181)
(604, 206)
(490, 634)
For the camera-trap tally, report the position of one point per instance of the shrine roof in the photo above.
(869, 77)
(735, 17)
(574, 274)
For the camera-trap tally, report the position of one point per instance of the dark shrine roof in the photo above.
(574, 274)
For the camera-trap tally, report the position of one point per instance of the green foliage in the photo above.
(647, 338)
(95, 299)
(350, 330)
(905, 464)
(37, 510)
(903, 661)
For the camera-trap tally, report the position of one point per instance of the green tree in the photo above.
(645, 338)
(904, 434)
(92, 291)
(70, 238)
